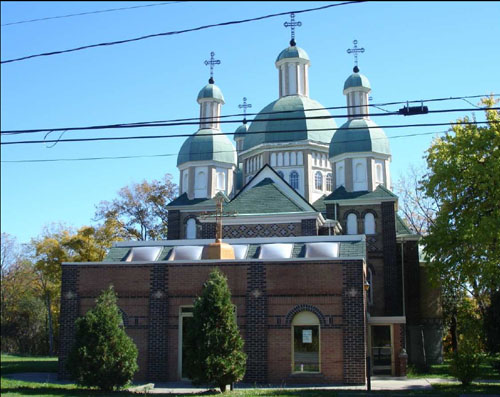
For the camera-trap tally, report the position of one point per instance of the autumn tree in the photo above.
(140, 209)
(463, 242)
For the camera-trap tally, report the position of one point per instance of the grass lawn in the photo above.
(15, 364)
(443, 371)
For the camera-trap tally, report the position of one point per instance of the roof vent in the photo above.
(143, 254)
(275, 251)
(322, 250)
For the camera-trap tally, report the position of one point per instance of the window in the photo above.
(329, 182)
(280, 159)
(352, 224)
(318, 181)
(185, 322)
(300, 158)
(306, 342)
(286, 160)
(323, 160)
(369, 223)
(340, 176)
(293, 158)
(294, 179)
(360, 173)
(191, 228)
(379, 174)
(185, 181)
(221, 180)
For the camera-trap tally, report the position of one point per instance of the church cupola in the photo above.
(293, 66)
(207, 159)
(359, 150)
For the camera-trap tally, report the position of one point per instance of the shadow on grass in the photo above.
(11, 367)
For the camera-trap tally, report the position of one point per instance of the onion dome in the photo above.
(293, 124)
(207, 145)
(357, 80)
(359, 135)
(293, 52)
(212, 92)
(241, 131)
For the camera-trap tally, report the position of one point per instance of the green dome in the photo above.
(241, 131)
(359, 135)
(356, 80)
(292, 52)
(205, 146)
(300, 129)
(211, 91)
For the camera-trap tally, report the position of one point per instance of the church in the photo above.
(325, 276)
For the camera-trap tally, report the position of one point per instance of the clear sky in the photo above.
(413, 50)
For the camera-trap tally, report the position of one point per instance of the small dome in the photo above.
(204, 145)
(241, 131)
(211, 91)
(293, 52)
(301, 126)
(356, 80)
(359, 135)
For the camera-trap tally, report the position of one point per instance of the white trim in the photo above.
(204, 163)
(386, 320)
(349, 155)
(270, 147)
(349, 202)
(207, 261)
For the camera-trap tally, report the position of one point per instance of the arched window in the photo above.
(340, 176)
(369, 223)
(293, 158)
(221, 180)
(280, 159)
(329, 182)
(352, 224)
(280, 173)
(360, 173)
(318, 181)
(273, 159)
(191, 228)
(300, 158)
(200, 185)
(294, 179)
(306, 342)
(185, 181)
(379, 174)
(286, 160)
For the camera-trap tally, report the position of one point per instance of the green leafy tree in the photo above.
(141, 208)
(464, 177)
(215, 352)
(103, 355)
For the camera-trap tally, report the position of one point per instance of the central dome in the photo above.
(295, 121)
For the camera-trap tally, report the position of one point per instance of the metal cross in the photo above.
(355, 51)
(212, 62)
(292, 25)
(245, 106)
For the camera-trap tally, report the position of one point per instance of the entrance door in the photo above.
(381, 349)
(185, 321)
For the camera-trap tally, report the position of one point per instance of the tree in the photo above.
(140, 209)
(103, 355)
(492, 324)
(215, 352)
(464, 177)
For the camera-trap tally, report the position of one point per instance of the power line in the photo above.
(175, 154)
(176, 32)
(90, 12)
(233, 133)
(197, 120)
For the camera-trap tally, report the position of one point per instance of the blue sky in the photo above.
(413, 50)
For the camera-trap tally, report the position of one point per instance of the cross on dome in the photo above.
(355, 50)
(292, 25)
(212, 62)
(245, 106)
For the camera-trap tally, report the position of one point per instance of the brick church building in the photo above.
(324, 273)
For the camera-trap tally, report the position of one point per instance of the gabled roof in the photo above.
(183, 200)
(268, 193)
(379, 193)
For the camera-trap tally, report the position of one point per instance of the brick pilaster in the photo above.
(208, 230)
(158, 323)
(256, 324)
(309, 227)
(353, 313)
(70, 308)
(392, 272)
(174, 225)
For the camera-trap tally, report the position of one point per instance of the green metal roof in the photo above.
(263, 128)
(207, 145)
(292, 52)
(320, 205)
(359, 135)
(264, 198)
(379, 193)
(356, 80)
(183, 200)
(241, 131)
(211, 91)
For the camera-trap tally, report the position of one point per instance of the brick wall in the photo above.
(174, 225)
(309, 227)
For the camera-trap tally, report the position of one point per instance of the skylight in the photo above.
(186, 253)
(275, 251)
(143, 254)
(322, 250)
(240, 251)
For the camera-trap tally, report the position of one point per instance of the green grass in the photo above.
(14, 388)
(443, 371)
